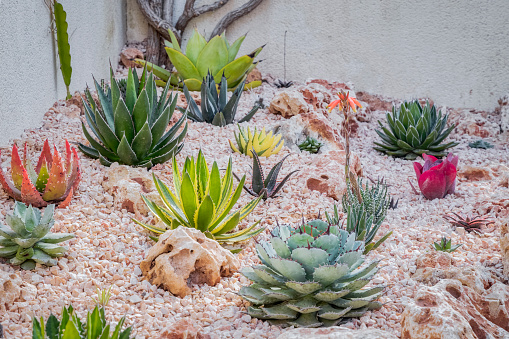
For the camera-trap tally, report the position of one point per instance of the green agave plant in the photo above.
(310, 276)
(27, 239)
(72, 327)
(203, 200)
(216, 108)
(130, 125)
(413, 130)
(217, 57)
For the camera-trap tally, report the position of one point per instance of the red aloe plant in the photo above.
(436, 178)
(52, 181)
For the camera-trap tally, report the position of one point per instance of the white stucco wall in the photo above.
(455, 52)
(31, 78)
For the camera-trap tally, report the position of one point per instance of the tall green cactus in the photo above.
(59, 27)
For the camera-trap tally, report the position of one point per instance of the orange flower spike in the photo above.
(334, 103)
(354, 104)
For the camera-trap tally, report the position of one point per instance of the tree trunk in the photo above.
(153, 39)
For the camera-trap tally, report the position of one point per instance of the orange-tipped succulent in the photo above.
(53, 181)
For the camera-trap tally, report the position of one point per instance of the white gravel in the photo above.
(109, 246)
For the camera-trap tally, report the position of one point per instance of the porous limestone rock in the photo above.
(454, 311)
(296, 129)
(475, 123)
(475, 173)
(9, 289)
(335, 332)
(327, 175)
(306, 113)
(288, 103)
(504, 246)
(126, 184)
(186, 256)
(128, 55)
(183, 329)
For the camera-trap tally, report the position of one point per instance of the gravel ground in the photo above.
(109, 247)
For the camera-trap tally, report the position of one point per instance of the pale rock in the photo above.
(128, 55)
(186, 256)
(254, 75)
(288, 103)
(184, 329)
(335, 332)
(475, 123)
(451, 310)
(326, 174)
(126, 184)
(28, 291)
(475, 173)
(504, 246)
(135, 299)
(434, 266)
(316, 125)
(9, 289)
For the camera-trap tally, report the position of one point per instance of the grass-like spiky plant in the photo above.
(414, 129)
(131, 125)
(310, 276)
(203, 200)
(72, 327)
(26, 240)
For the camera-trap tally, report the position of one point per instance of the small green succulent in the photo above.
(445, 245)
(310, 145)
(480, 144)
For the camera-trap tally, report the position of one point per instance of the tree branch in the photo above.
(191, 12)
(229, 18)
(168, 10)
(156, 21)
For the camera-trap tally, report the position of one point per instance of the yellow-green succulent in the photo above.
(216, 56)
(264, 144)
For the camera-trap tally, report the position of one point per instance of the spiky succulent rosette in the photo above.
(27, 240)
(53, 180)
(310, 276)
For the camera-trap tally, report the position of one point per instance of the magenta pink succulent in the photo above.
(436, 178)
